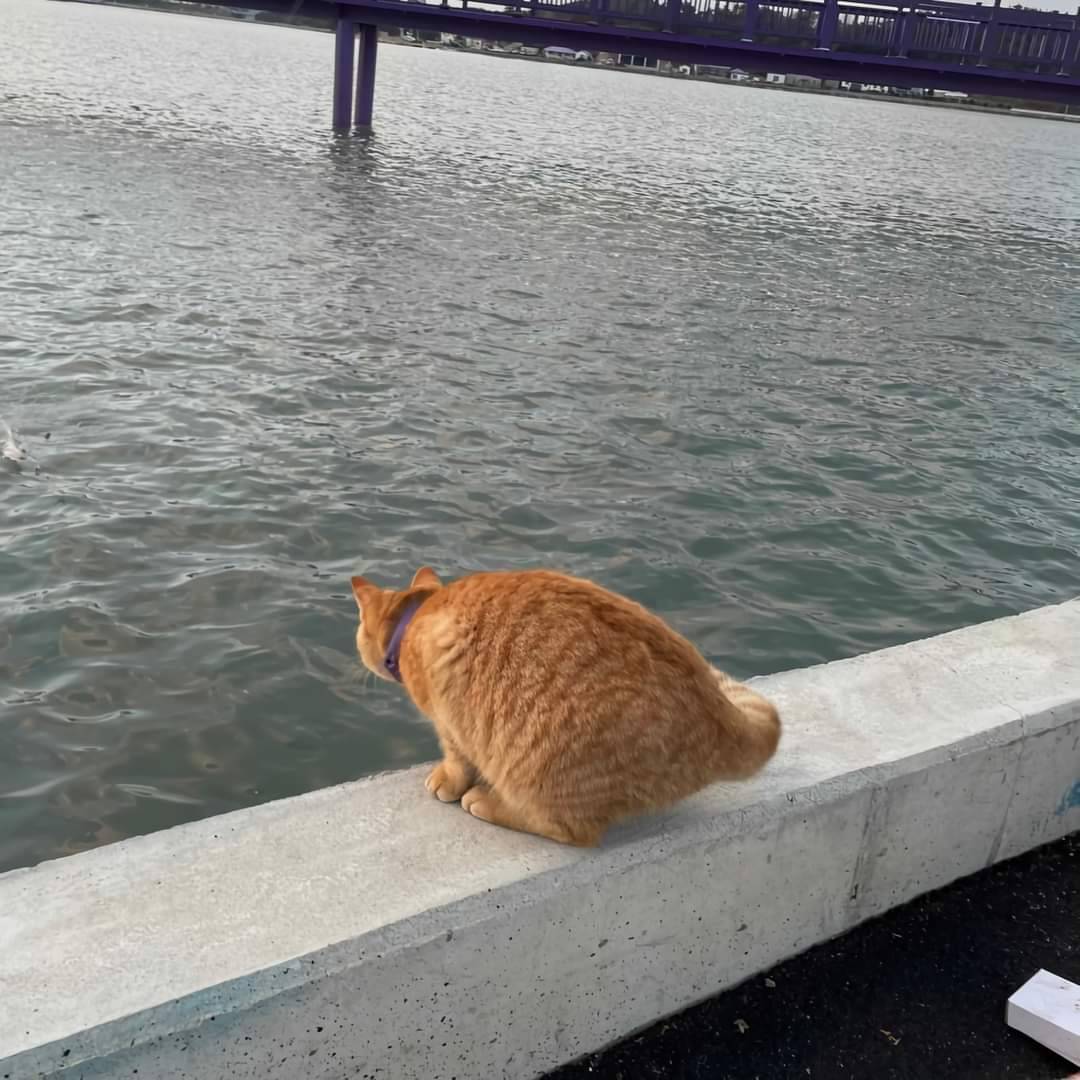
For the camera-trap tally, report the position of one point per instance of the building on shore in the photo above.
(711, 71)
(803, 82)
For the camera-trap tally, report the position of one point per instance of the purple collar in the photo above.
(392, 660)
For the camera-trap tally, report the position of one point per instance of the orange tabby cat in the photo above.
(561, 707)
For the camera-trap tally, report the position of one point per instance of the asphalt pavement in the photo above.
(918, 994)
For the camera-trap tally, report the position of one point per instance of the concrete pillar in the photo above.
(344, 66)
(750, 15)
(1071, 47)
(828, 18)
(365, 83)
(990, 37)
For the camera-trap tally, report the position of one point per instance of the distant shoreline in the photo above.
(1022, 109)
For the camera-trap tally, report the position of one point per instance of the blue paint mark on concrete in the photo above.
(1070, 800)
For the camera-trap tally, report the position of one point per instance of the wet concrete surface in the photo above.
(918, 994)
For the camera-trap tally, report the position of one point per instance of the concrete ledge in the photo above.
(367, 931)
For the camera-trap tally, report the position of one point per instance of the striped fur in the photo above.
(562, 707)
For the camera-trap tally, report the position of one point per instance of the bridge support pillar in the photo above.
(750, 18)
(365, 83)
(344, 67)
(828, 19)
(903, 32)
(1069, 55)
(988, 49)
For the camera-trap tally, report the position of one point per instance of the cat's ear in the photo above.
(362, 589)
(425, 576)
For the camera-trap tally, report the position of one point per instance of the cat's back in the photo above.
(530, 594)
(544, 617)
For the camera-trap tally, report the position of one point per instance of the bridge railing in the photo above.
(956, 33)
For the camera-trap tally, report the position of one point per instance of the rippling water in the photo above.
(800, 373)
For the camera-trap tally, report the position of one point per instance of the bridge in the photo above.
(975, 48)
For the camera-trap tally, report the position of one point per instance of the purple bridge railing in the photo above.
(983, 49)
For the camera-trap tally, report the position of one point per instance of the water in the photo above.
(800, 373)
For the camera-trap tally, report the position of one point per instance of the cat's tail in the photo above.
(752, 731)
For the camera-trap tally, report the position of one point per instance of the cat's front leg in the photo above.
(488, 805)
(451, 778)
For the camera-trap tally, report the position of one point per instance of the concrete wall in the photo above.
(367, 930)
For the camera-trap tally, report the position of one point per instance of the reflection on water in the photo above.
(798, 372)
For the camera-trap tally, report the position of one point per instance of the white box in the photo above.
(1047, 1008)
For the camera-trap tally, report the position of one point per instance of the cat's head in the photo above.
(380, 611)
